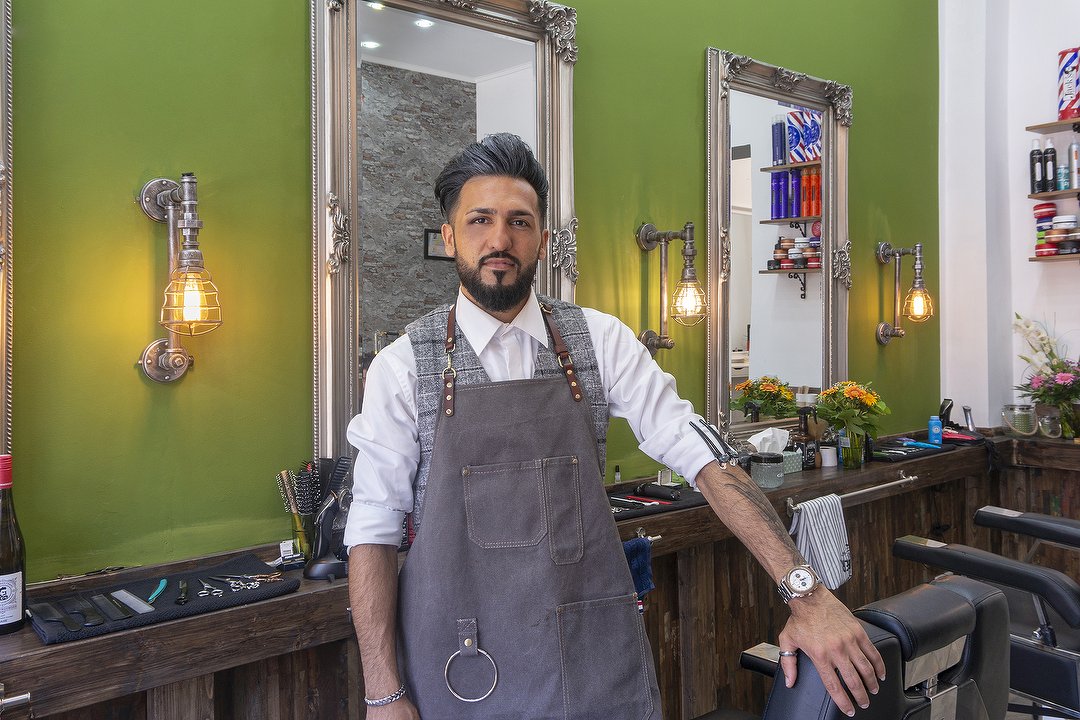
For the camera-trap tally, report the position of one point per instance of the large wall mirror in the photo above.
(398, 88)
(6, 298)
(770, 314)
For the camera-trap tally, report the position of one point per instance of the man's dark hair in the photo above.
(501, 154)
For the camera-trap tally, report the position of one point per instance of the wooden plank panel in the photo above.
(191, 699)
(697, 639)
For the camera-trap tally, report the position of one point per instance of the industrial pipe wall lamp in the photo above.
(918, 306)
(191, 299)
(688, 306)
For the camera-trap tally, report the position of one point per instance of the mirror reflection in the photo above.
(774, 294)
(397, 87)
(428, 87)
(778, 257)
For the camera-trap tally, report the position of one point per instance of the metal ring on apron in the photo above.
(494, 682)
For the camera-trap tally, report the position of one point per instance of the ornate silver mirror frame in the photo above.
(5, 232)
(727, 72)
(336, 380)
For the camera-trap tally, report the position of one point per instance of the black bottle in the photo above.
(1036, 166)
(800, 439)
(1049, 166)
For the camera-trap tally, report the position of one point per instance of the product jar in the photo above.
(767, 469)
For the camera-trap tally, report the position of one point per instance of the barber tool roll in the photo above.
(658, 491)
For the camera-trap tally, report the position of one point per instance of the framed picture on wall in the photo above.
(434, 248)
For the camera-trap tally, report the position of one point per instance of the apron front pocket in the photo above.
(504, 504)
(605, 660)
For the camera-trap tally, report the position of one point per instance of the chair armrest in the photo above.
(763, 658)
(1045, 527)
(1056, 588)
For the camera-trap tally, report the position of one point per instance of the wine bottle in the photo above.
(12, 557)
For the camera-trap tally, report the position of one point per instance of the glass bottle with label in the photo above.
(12, 557)
(800, 439)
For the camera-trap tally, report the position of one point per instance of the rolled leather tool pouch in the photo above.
(75, 616)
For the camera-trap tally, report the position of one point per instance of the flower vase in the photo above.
(852, 450)
(1070, 416)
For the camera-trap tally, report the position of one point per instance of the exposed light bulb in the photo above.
(688, 304)
(191, 304)
(194, 300)
(423, 23)
(369, 44)
(918, 306)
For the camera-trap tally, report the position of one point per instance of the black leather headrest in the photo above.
(924, 618)
(1047, 527)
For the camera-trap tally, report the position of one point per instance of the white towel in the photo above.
(821, 537)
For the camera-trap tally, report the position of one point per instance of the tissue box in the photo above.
(792, 461)
(804, 136)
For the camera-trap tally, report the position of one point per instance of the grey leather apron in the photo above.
(515, 599)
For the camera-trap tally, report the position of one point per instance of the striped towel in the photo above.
(821, 537)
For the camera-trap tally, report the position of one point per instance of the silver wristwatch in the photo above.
(799, 582)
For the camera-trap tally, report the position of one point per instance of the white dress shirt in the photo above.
(385, 431)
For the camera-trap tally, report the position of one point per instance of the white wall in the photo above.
(506, 102)
(998, 75)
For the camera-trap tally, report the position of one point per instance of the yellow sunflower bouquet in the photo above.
(772, 396)
(853, 407)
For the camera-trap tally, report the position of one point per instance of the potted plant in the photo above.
(1053, 380)
(771, 396)
(855, 409)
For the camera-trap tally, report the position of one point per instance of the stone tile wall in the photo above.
(410, 125)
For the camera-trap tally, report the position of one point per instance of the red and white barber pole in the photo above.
(1068, 101)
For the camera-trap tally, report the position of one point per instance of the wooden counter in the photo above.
(295, 657)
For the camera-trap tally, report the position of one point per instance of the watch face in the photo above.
(800, 580)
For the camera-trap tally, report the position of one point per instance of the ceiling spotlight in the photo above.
(423, 23)
(369, 44)
(376, 5)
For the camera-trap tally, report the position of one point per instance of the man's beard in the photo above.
(499, 297)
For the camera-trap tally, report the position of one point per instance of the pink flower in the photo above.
(1037, 382)
(1064, 378)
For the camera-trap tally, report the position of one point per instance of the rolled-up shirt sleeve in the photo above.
(385, 435)
(641, 392)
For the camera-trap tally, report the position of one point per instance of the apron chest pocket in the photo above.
(514, 505)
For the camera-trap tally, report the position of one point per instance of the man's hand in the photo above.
(833, 639)
(820, 625)
(398, 710)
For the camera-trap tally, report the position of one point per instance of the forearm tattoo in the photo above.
(768, 515)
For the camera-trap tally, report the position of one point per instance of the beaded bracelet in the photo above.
(400, 693)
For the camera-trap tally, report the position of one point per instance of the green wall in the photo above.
(112, 468)
(639, 139)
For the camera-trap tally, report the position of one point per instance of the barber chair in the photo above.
(945, 650)
(1044, 605)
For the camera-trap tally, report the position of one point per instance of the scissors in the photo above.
(209, 590)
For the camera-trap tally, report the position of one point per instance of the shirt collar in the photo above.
(479, 328)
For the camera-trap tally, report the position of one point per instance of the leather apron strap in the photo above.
(563, 353)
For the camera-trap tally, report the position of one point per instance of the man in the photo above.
(487, 422)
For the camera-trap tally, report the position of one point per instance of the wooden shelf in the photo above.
(1054, 194)
(1054, 127)
(793, 270)
(786, 221)
(1074, 257)
(791, 166)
